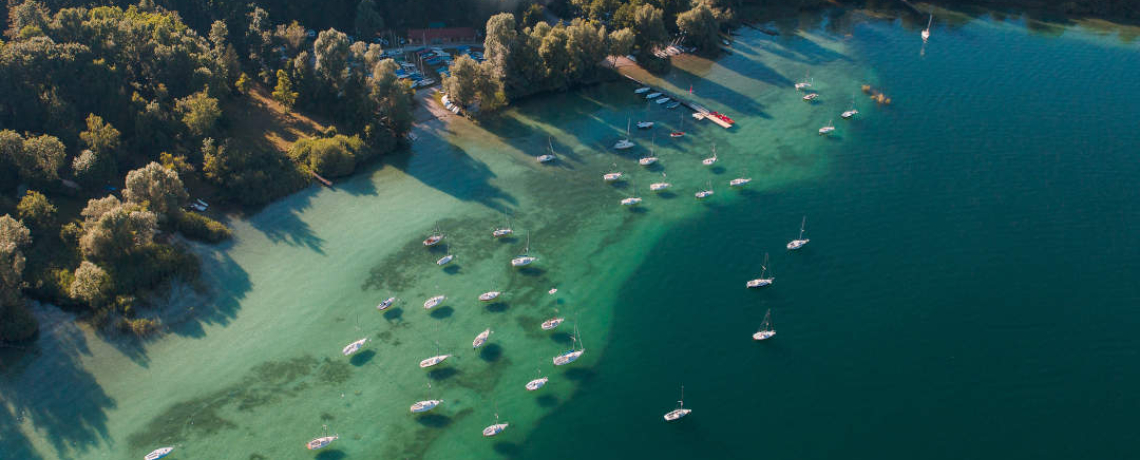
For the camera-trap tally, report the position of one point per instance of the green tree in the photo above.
(28, 14)
(40, 158)
(156, 188)
(621, 42)
(700, 27)
(533, 15)
(368, 20)
(555, 59)
(393, 98)
(199, 112)
(16, 323)
(100, 137)
(283, 92)
(331, 53)
(501, 36)
(37, 211)
(243, 84)
(91, 284)
(649, 30)
(113, 233)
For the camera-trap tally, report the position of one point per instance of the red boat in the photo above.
(677, 134)
(722, 117)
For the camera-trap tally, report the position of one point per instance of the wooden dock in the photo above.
(322, 180)
(699, 111)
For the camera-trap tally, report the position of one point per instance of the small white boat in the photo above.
(625, 143)
(850, 113)
(552, 323)
(158, 453)
(762, 280)
(434, 239)
(631, 201)
(610, 177)
(739, 181)
(445, 260)
(552, 291)
(659, 186)
(536, 384)
(810, 96)
(386, 303)
(830, 128)
(644, 124)
(433, 361)
(710, 160)
(495, 429)
(724, 41)
(766, 332)
(680, 411)
(646, 161)
(545, 158)
(806, 83)
(434, 302)
(800, 241)
(322, 442)
(663, 100)
(673, 105)
(481, 338)
(501, 232)
(568, 357)
(642, 90)
(354, 346)
(424, 406)
(489, 296)
(653, 95)
(202, 203)
(707, 192)
(525, 259)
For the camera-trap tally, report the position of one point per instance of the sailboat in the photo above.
(631, 201)
(680, 411)
(434, 239)
(481, 338)
(710, 160)
(612, 176)
(659, 186)
(800, 241)
(646, 161)
(494, 430)
(424, 406)
(525, 259)
(158, 453)
(354, 346)
(386, 303)
(489, 296)
(679, 132)
(806, 83)
(433, 361)
(321, 442)
(830, 128)
(766, 332)
(624, 143)
(707, 192)
(505, 231)
(810, 96)
(926, 31)
(645, 124)
(572, 355)
(445, 260)
(434, 301)
(850, 113)
(762, 280)
(740, 181)
(536, 383)
(552, 323)
(550, 156)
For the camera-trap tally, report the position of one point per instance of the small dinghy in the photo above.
(445, 260)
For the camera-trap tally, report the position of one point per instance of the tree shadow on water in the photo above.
(580, 374)
(434, 420)
(442, 312)
(466, 178)
(281, 222)
(362, 358)
(491, 353)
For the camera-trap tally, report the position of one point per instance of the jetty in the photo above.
(322, 180)
(699, 111)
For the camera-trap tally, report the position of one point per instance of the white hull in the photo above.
(495, 429)
(545, 158)
(386, 303)
(810, 97)
(158, 453)
(445, 260)
(631, 201)
(523, 261)
(761, 282)
(647, 161)
(489, 296)
(796, 244)
(642, 90)
(677, 414)
(849, 114)
(568, 357)
(434, 301)
(354, 346)
(501, 232)
(653, 95)
(481, 339)
(644, 124)
(536, 384)
(826, 130)
(708, 161)
(739, 182)
(433, 240)
(433, 361)
(659, 186)
(321, 443)
(424, 406)
(552, 323)
(623, 144)
(612, 177)
(763, 335)
(704, 194)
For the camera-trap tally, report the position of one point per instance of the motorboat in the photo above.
(642, 90)
(663, 100)
(354, 346)
(673, 105)
(653, 95)
(386, 303)
(445, 260)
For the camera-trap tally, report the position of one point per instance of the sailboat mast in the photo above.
(804, 222)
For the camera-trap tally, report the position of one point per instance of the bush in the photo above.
(334, 156)
(141, 327)
(201, 228)
(16, 323)
(151, 265)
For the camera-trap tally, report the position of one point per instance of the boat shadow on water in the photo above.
(498, 307)
(509, 449)
(638, 209)
(434, 420)
(531, 271)
(667, 195)
(491, 353)
(452, 269)
(362, 358)
(442, 312)
(331, 455)
(394, 314)
(443, 373)
(546, 401)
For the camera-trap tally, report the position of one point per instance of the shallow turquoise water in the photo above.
(968, 292)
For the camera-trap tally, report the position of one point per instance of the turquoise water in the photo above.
(968, 292)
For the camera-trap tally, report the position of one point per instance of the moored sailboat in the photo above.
(680, 411)
(158, 453)
(354, 347)
(481, 338)
(800, 241)
(766, 332)
(762, 280)
(525, 259)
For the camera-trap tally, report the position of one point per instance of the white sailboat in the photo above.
(707, 192)
(525, 259)
(762, 280)
(850, 113)
(489, 296)
(680, 128)
(445, 260)
(550, 156)
(810, 96)
(805, 83)
(354, 347)
(680, 411)
(926, 31)
(646, 161)
(481, 338)
(800, 241)
(631, 201)
(429, 362)
(505, 231)
(321, 442)
(386, 303)
(536, 384)
(828, 129)
(624, 143)
(494, 430)
(610, 177)
(552, 323)
(740, 181)
(710, 160)
(643, 124)
(158, 453)
(570, 356)
(434, 301)
(766, 332)
(434, 239)
(424, 406)
(660, 186)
